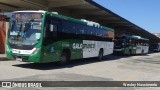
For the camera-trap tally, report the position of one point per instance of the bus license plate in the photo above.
(19, 59)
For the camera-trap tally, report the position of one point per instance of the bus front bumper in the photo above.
(118, 50)
(24, 58)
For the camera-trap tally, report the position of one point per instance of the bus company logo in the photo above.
(77, 46)
(6, 84)
(83, 46)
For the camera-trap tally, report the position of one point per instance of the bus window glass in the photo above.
(68, 27)
(25, 28)
(80, 29)
(89, 31)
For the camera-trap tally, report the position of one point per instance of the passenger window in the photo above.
(53, 28)
(105, 33)
(99, 32)
(80, 29)
(89, 31)
(94, 30)
(68, 27)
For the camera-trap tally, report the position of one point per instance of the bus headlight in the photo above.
(36, 51)
(7, 48)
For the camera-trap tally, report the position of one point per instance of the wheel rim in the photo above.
(63, 58)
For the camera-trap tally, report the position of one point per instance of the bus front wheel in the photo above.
(142, 53)
(64, 58)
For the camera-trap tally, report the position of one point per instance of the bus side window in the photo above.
(80, 29)
(89, 33)
(50, 31)
(53, 30)
(68, 27)
(47, 31)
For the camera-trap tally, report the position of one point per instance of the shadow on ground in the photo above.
(49, 66)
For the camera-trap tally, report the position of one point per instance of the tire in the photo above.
(100, 55)
(130, 52)
(142, 53)
(64, 58)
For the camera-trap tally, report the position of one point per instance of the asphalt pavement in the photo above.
(111, 68)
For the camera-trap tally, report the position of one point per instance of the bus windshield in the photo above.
(25, 28)
(119, 42)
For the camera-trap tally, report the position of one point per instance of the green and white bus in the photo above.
(42, 37)
(155, 47)
(131, 45)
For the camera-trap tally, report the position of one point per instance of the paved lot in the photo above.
(112, 68)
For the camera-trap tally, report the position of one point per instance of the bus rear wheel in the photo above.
(130, 52)
(100, 55)
(142, 53)
(64, 58)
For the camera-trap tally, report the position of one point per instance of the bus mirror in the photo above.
(4, 19)
(2, 24)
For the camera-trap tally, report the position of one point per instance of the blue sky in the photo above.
(144, 13)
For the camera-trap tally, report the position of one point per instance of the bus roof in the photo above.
(135, 37)
(131, 37)
(144, 39)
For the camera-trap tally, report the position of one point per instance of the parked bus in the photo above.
(155, 47)
(42, 36)
(130, 44)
